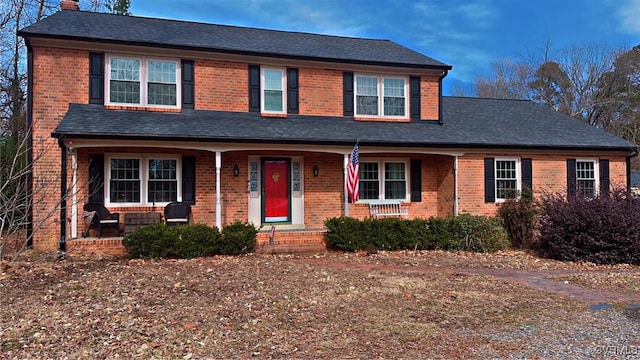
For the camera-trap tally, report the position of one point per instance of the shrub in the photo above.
(345, 233)
(153, 241)
(518, 217)
(195, 241)
(475, 233)
(602, 230)
(465, 232)
(237, 238)
(161, 241)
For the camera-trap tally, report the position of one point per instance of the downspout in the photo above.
(444, 73)
(29, 119)
(63, 199)
(629, 157)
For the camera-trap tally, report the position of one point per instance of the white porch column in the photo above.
(346, 193)
(218, 200)
(74, 195)
(455, 186)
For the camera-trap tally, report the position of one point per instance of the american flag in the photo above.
(353, 180)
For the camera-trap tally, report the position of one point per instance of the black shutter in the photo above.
(292, 91)
(347, 93)
(414, 99)
(188, 84)
(96, 178)
(571, 177)
(254, 88)
(604, 177)
(489, 181)
(96, 78)
(416, 180)
(527, 177)
(189, 180)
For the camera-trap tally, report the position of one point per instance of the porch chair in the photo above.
(177, 213)
(101, 218)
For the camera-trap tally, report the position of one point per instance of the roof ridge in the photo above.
(193, 22)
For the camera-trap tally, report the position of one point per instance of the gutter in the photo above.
(442, 76)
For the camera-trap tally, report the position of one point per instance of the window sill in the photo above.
(382, 119)
(274, 115)
(142, 108)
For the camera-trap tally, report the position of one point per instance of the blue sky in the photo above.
(468, 35)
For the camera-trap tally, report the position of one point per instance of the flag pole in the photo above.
(347, 160)
(346, 178)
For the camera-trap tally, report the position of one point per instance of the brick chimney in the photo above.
(69, 5)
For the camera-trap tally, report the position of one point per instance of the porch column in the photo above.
(218, 201)
(455, 185)
(74, 194)
(346, 176)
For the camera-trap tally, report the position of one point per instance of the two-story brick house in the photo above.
(257, 125)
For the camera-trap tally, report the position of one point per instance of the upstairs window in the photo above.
(143, 81)
(273, 90)
(380, 96)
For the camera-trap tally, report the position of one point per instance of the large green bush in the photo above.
(161, 241)
(195, 241)
(465, 232)
(153, 241)
(237, 238)
(602, 230)
(518, 217)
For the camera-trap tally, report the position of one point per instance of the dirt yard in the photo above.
(406, 305)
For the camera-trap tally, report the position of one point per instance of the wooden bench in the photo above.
(388, 208)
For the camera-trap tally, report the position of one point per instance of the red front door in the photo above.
(276, 193)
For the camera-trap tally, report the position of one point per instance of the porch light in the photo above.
(236, 170)
(315, 170)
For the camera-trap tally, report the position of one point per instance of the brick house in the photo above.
(139, 112)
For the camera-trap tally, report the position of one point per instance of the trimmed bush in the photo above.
(153, 241)
(161, 241)
(602, 230)
(237, 238)
(465, 232)
(518, 217)
(196, 241)
(345, 233)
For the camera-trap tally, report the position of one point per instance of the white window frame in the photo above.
(518, 178)
(380, 95)
(596, 175)
(144, 178)
(382, 180)
(283, 85)
(143, 71)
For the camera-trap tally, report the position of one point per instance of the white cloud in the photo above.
(630, 17)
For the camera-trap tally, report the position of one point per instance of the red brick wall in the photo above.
(549, 174)
(221, 85)
(429, 98)
(320, 92)
(59, 78)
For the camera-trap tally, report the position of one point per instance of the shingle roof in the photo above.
(81, 25)
(468, 122)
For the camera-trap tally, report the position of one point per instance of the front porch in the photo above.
(284, 241)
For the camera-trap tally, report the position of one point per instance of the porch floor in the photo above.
(284, 241)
